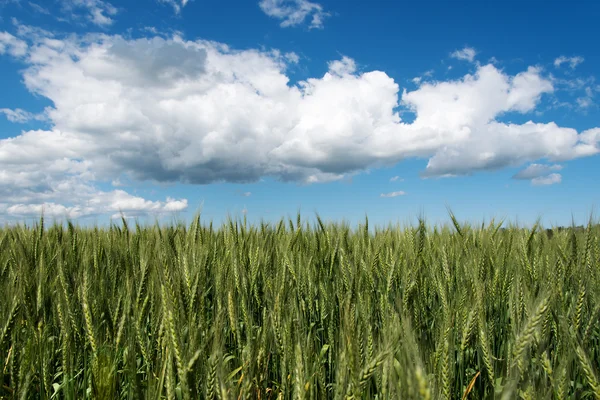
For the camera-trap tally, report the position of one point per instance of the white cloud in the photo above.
(176, 4)
(396, 179)
(418, 79)
(36, 7)
(11, 45)
(294, 12)
(171, 110)
(572, 61)
(540, 174)
(95, 203)
(537, 170)
(175, 205)
(98, 12)
(292, 57)
(17, 115)
(20, 116)
(467, 54)
(344, 67)
(584, 102)
(393, 194)
(547, 180)
(52, 210)
(38, 172)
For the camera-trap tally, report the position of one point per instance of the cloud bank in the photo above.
(174, 110)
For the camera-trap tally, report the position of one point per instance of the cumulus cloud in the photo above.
(536, 171)
(547, 180)
(294, 12)
(396, 179)
(38, 173)
(572, 61)
(467, 54)
(95, 203)
(392, 194)
(175, 110)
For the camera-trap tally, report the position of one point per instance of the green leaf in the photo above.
(234, 373)
(323, 350)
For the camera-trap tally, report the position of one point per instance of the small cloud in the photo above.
(572, 61)
(246, 194)
(98, 12)
(584, 102)
(121, 215)
(292, 57)
(547, 180)
(345, 66)
(393, 194)
(38, 8)
(117, 183)
(150, 29)
(31, 33)
(467, 54)
(11, 45)
(540, 174)
(396, 179)
(427, 74)
(20, 116)
(175, 205)
(294, 12)
(535, 171)
(176, 4)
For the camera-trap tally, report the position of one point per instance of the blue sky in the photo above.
(387, 109)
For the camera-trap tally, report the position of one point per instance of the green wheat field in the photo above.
(299, 310)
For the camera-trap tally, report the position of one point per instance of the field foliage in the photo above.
(294, 310)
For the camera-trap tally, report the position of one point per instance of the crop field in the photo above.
(299, 310)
